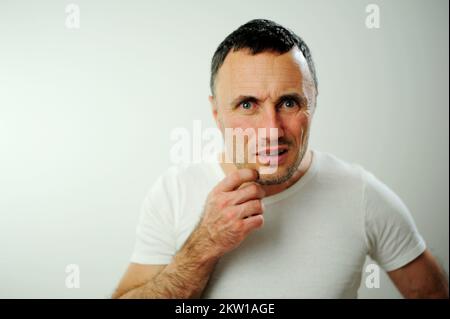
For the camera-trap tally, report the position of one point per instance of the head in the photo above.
(263, 81)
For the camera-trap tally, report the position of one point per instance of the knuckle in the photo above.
(230, 214)
(238, 226)
(256, 206)
(259, 206)
(219, 202)
(253, 189)
(224, 202)
(234, 177)
(250, 172)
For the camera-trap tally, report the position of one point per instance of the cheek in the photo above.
(297, 124)
(241, 122)
(237, 122)
(303, 117)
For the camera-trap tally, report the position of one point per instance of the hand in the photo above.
(232, 210)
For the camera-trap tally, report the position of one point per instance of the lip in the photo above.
(269, 150)
(272, 160)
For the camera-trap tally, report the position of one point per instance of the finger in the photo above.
(236, 178)
(252, 222)
(252, 207)
(246, 193)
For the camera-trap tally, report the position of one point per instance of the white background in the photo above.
(86, 116)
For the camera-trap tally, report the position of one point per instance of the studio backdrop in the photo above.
(91, 93)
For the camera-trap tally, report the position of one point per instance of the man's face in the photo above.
(261, 92)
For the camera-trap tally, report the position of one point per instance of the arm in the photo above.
(185, 277)
(421, 278)
(135, 276)
(231, 213)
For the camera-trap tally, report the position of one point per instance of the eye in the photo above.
(289, 104)
(246, 105)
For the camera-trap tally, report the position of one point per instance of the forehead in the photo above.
(264, 74)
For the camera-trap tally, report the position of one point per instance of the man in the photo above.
(225, 230)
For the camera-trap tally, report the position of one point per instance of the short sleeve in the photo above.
(155, 233)
(392, 237)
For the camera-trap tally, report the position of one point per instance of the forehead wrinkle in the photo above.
(258, 73)
(271, 88)
(262, 75)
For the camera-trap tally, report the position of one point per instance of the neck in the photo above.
(275, 189)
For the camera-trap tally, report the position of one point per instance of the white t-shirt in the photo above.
(315, 237)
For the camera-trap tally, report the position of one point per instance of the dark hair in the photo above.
(258, 36)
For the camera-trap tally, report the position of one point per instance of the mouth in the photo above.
(272, 151)
(272, 156)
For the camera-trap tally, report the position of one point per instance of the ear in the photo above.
(213, 103)
(315, 104)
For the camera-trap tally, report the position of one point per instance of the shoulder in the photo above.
(177, 181)
(170, 190)
(335, 170)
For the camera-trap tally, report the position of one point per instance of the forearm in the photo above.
(185, 277)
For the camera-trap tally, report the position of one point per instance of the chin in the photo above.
(284, 173)
(279, 177)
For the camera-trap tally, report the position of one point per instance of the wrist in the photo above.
(200, 249)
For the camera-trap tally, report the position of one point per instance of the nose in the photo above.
(271, 120)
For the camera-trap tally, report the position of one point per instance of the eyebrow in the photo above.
(300, 99)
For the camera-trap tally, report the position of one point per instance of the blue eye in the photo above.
(290, 104)
(246, 105)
